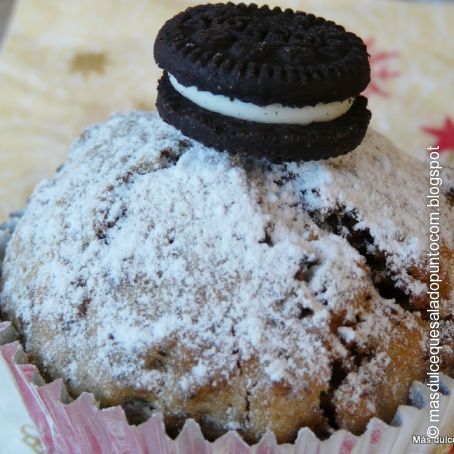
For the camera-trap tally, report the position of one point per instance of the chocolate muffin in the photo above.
(169, 277)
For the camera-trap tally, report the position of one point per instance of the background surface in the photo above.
(65, 65)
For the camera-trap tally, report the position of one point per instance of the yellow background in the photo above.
(67, 64)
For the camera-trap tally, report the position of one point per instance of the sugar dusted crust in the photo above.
(168, 277)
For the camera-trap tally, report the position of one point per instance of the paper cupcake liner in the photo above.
(79, 426)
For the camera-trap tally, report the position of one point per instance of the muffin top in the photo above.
(147, 249)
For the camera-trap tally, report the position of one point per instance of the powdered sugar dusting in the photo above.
(147, 248)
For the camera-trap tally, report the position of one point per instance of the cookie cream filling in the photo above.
(272, 113)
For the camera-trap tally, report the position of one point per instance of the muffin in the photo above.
(169, 277)
(251, 275)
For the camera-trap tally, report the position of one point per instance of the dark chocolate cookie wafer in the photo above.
(263, 56)
(278, 84)
(278, 142)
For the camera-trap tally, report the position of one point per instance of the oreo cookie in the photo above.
(278, 84)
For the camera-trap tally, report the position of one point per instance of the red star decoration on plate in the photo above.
(380, 71)
(444, 135)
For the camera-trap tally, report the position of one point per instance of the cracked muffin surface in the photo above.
(167, 277)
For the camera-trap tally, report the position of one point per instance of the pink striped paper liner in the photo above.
(79, 426)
